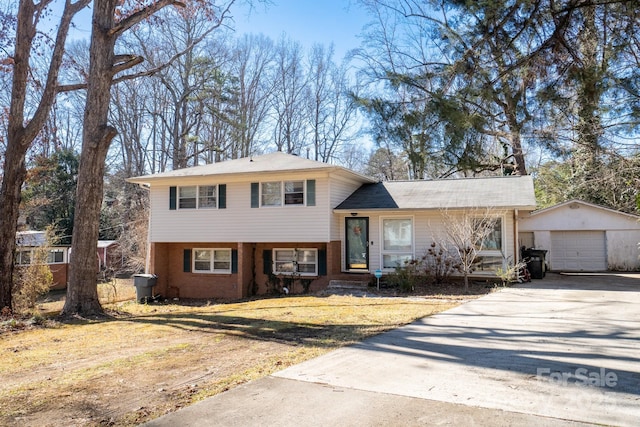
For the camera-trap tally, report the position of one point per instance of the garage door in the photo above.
(578, 251)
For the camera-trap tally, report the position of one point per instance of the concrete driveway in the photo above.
(564, 350)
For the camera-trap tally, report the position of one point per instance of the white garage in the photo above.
(581, 236)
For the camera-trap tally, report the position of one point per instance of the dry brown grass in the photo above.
(152, 359)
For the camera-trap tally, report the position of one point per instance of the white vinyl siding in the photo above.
(339, 190)
(239, 222)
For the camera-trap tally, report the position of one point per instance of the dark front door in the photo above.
(357, 243)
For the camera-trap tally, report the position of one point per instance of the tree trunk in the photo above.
(82, 291)
(14, 175)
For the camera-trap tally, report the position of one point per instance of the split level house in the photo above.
(227, 229)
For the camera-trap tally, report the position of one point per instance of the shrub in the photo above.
(512, 272)
(406, 276)
(32, 281)
(440, 263)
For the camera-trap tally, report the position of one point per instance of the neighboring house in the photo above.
(109, 255)
(225, 230)
(57, 258)
(581, 236)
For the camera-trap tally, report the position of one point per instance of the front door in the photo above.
(357, 243)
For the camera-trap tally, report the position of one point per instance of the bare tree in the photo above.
(331, 104)
(104, 66)
(289, 96)
(21, 129)
(467, 232)
(252, 63)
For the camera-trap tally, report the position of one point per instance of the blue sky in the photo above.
(306, 21)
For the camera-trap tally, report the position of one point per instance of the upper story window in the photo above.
(198, 197)
(294, 192)
(271, 194)
(282, 193)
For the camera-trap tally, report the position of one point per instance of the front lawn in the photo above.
(148, 360)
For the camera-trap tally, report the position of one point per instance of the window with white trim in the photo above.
(23, 257)
(490, 255)
(397, 242)
(271, 194)
(211, 260)
(303, 262)
(55, 256)
(493, 239)
(282, 193)
(197, 197)
(294, 192)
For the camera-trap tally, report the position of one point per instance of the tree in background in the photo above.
(385, 165)
(290, 88)
(49, 193)
(492, 80)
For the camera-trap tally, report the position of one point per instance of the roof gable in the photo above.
(579, 215)
(571, 204)
(273, 162)
(496, 192)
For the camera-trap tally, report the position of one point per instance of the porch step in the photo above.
(347, 287)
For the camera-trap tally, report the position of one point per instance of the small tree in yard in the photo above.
(466, 233)
(34, 279)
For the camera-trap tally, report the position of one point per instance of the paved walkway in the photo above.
(560, 351)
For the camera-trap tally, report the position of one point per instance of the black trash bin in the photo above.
(535, 262)
(144, 284)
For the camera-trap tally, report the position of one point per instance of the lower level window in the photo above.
(212, 260)
(295, 261)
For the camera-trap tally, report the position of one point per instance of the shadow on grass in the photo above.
(264, 329)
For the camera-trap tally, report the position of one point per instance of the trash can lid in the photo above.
(144, 275)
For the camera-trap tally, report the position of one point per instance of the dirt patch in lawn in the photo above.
(147, 360)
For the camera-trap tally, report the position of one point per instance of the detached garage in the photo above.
(581, 236)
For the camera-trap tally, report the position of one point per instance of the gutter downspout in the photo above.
(147, 258)
(516, 244)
